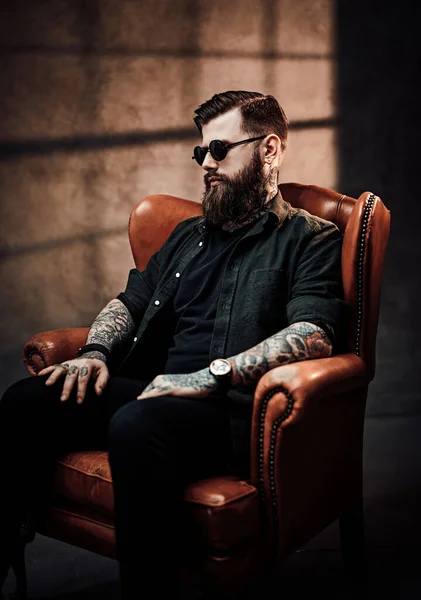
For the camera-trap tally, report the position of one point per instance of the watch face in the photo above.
(220, 367)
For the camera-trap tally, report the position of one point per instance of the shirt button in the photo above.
(135, 339)
(177, 274)
(157, 302)
(200, 243)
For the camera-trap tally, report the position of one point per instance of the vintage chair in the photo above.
(307, 430)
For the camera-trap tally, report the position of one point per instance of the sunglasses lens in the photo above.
(199, 154)
(218, 150)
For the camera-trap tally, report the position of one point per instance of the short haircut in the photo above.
(262, 115)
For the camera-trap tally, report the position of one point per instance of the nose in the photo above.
(210, 164)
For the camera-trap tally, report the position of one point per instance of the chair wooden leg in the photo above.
(18, 565)
(353, 546)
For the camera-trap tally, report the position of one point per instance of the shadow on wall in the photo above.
(379, 124)
(85, 143)
(97, 113)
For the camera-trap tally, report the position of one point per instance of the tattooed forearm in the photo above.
(113, 325)
(300, 341)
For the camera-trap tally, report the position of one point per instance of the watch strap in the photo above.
(94, 348)
(223, 384)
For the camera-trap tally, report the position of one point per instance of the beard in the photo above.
(237, 197)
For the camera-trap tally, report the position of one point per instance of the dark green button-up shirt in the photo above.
(285, 269)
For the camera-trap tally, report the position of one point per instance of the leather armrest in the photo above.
(307, 424)
(51, 347)
(308, 380)
(287, 394)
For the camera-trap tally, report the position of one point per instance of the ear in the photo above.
(272, 148)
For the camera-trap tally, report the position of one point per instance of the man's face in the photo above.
(236, 186)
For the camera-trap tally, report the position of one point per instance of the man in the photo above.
(167, 377)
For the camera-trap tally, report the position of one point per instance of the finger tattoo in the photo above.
(73, 369)
(83, 372)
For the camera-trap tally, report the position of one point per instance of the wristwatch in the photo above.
(221, 369)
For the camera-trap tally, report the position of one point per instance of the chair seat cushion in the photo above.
(224, 509)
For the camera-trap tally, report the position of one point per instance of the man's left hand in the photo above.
(195, 385)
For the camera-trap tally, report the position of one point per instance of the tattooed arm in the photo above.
(112, 327)
(299, 341)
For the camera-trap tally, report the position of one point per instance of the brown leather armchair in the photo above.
(307, 430)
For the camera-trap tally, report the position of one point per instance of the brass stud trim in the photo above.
(360, 271)
(272, 447)
(31, 362)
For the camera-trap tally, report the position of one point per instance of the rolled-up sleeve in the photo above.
(140, 288)
(317, 291)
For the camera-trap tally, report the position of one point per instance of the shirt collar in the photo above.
(280, 210)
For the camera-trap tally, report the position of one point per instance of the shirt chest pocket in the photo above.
(267, 295)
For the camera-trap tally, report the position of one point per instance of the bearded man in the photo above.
(166, 380)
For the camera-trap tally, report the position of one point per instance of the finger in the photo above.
(152, 393)
(158, 387)
(47, 370)
(59, 371)
(146, 392)
(69, 382)
(101, 381)
(144, 395)
(82, 383)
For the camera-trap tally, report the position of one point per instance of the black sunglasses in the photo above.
(218, 149)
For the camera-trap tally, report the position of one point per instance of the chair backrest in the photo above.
(364, 222)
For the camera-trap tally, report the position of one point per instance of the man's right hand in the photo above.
(78, 371)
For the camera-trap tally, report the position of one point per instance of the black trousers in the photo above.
(156, 446)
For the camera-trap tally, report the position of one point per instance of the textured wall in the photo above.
(97, 99)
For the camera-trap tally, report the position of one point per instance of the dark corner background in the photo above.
(379, 57)
(379, 66)
(96, 104)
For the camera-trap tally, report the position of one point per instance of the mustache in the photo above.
(208, 175)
